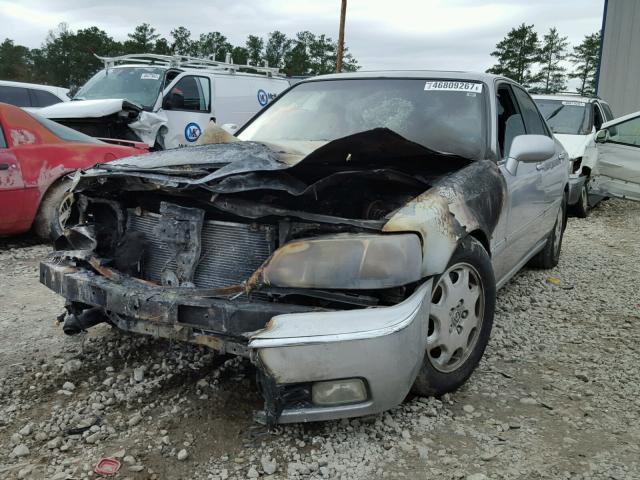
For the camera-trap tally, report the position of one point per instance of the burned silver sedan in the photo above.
(349, 240)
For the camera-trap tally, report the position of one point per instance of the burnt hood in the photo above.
(379, 148)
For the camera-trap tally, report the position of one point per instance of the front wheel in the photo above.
(460, 320)
(581, 209)
(54, 212)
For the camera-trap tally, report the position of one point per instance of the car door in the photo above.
(525, 194)
(552, 171)
(616, 172)
(11, 186)
(187, 105)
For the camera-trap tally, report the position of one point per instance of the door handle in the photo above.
(539, 166)
(4, 166)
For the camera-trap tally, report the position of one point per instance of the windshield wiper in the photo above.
(555, 112)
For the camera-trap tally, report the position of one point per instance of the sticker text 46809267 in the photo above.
(453, 86)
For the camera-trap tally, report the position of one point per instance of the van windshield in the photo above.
(140, 85)
(569, 117)
(444, 115)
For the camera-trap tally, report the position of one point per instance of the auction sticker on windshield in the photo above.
(453, 86)
(150, 76)
(574, 104)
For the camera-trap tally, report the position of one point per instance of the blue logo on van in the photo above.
(263, 98)
(192, 132)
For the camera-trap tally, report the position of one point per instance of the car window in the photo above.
(62, 132)
(598, 119)
(532, 119)
(626, 133)
(510, 123)
(42, 98)
(17, 96)
(444, 115)
(608, 114)
(191, 93)
(3, 142)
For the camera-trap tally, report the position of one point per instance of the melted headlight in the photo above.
(346, 261)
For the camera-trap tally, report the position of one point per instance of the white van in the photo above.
(166, 101)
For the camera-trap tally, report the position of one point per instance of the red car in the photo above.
(35, 155)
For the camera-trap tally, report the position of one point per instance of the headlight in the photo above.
(349, 261)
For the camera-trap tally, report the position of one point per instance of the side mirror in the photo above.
(532, 148)
(230, 128)
(601, 136)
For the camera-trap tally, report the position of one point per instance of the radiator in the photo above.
(231, 252)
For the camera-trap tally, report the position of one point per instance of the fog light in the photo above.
(338, 392)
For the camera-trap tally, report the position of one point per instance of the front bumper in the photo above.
(576, 182)
(292, 345)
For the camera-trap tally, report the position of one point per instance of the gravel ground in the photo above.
(556, 396)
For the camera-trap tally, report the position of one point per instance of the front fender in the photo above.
(468, 200)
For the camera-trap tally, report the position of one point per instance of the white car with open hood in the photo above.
(167, 101)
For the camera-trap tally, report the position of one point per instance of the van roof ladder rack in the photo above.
(177, 61)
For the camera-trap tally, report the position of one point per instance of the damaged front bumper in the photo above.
(293, 346)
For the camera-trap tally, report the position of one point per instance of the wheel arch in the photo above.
(482, 237)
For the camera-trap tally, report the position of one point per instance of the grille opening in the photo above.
(231, 252)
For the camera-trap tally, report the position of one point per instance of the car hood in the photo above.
(246, 165)
(574, 144)
(88, 108)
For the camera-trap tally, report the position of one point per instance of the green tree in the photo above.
(182, 43)
(517, 53)
(552, 53)
(162, 47)
(297, 59)
(142, 40)
(276, 49)
(15, 62)
(255, 47)
(585, 60)
(240, 55)
(67, 59)
(213, 45)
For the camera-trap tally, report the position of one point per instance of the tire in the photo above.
(549, 256)
(446, 369)
(54, 211)
(581, 208)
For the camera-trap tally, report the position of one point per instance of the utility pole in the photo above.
(343, 14)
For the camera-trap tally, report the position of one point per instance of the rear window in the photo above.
(42, 98)
(17, 96)
(62, 132)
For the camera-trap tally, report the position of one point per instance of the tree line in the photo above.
(539, 64)
(66, 58)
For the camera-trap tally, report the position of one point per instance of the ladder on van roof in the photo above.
(177, 61)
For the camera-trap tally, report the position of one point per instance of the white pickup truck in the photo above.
(166, 101)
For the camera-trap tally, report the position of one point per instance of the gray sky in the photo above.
(381, 34)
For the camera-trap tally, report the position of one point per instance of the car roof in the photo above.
(419, 74)
(566, 96)
(36, 86)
